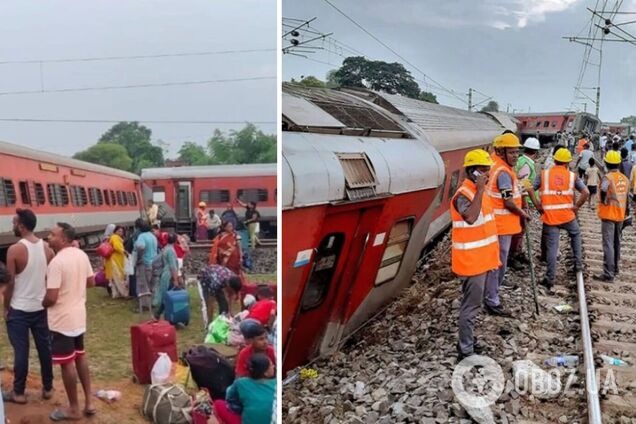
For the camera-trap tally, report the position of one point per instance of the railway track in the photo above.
(612, 316)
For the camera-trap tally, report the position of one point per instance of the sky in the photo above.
(69, 29)
(510, 50)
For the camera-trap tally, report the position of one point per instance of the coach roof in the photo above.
(242, 170)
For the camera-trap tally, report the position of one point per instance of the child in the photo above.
(592, 177)
(264, 311)
(250, 399)
(256, 338)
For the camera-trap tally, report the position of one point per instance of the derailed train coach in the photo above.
(366, 181)
(61, 189)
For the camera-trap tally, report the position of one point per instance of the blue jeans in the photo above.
(18, 325)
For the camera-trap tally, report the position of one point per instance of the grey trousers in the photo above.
(611, 231)
(551, 233)
(473, 296)
(144, 285)
(495, 277)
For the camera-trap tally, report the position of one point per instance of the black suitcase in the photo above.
(210, 370)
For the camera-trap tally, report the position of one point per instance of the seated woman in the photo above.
(250, 399)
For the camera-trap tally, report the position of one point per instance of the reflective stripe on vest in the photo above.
(507, 222)
(475, 247)
(557, 204)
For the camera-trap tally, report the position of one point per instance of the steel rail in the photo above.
(591, 386)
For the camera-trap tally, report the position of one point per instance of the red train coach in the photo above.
(545, 125)
(179, 190)
(58, 188)
(366, 182)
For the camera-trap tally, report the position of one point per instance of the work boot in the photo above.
(522, 259)
(497, 311)
(507, 284)
(547, 284)
(515, 264)
(603, 277)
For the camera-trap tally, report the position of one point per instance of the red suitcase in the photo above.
(148, 339)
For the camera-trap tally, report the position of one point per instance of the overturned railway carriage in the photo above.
(60, 189)
(545, 125)
(179, 190)
(366, 182)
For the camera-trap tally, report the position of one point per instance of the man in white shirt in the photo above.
(27, 263)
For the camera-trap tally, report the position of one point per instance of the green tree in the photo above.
(249, 145)
(135, 139)
(492, 106)
(193, 154)
(428, 97)
(629, 120)
(107, 154)
(312, 81)
(332, 81)
(391, 78)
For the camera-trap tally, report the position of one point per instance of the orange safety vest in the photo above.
(581, 146)
(616, 198)
(557, 195)
(507, 222)
(475, 247)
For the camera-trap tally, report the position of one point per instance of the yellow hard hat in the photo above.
(477, 157)
(202, 204)
(613, 157)
(563, 155)
(506, 140)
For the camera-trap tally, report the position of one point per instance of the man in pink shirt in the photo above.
(68, 275)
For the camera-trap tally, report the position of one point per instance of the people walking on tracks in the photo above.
(583, 161)
(475, 246)
(592, 180)
(27, 261)
(557, 186)
(505, 195)
(68, 276)
(202, 222)
(526, 172)
(611, 211)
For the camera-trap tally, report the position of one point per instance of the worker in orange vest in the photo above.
(505, 195)
(557, 186)
(611, 211)
(581, 146)
(475, 245)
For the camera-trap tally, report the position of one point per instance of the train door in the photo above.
(183, 204)
(339, 252)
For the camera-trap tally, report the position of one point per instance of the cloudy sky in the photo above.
(63, 29)
(511, 50)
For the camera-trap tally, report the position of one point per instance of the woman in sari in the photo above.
(169, 276)
(114, 267)
(226, 250)
(202, 222)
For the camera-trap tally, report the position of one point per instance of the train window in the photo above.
(58, 195)
(25, 195)
(546, 124)
(252, 194)
(158, 194)
(394, 251)
(454, 181)
(124, 198)
(359, 175)
(553, 124)
(83, 196)
(7, 192)
(120, 200)
(214, 196)
(525, 123)
(440, 195)
(538, 124)
(133, 197)
(106, 197)
(39, 194)
(92, 196)
(78, 196)
(322, 272)
(113, 199)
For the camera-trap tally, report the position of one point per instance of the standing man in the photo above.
(526, 170)
(557, 186)
(214, 224)
(252, 216)
(611, 211)
(505, 195)
(26, 264)
(475, 245)
(152, 211)
(146, 247)
(68, 276)
(603, 142)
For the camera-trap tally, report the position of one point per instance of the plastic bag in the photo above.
(161, 370)
(218, 331)
(129, 266)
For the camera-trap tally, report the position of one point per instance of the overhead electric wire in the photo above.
(136, 57)
(146, 121)
(148, 85)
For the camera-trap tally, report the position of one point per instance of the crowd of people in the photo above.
(492, 207)
(209, 224)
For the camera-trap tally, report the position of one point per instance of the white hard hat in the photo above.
(532, 143)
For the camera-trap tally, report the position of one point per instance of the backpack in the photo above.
(167, 404)
(210, 370)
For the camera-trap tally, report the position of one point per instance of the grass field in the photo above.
(108, 335)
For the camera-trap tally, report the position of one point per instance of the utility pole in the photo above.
(598, 99)
(470, 99)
